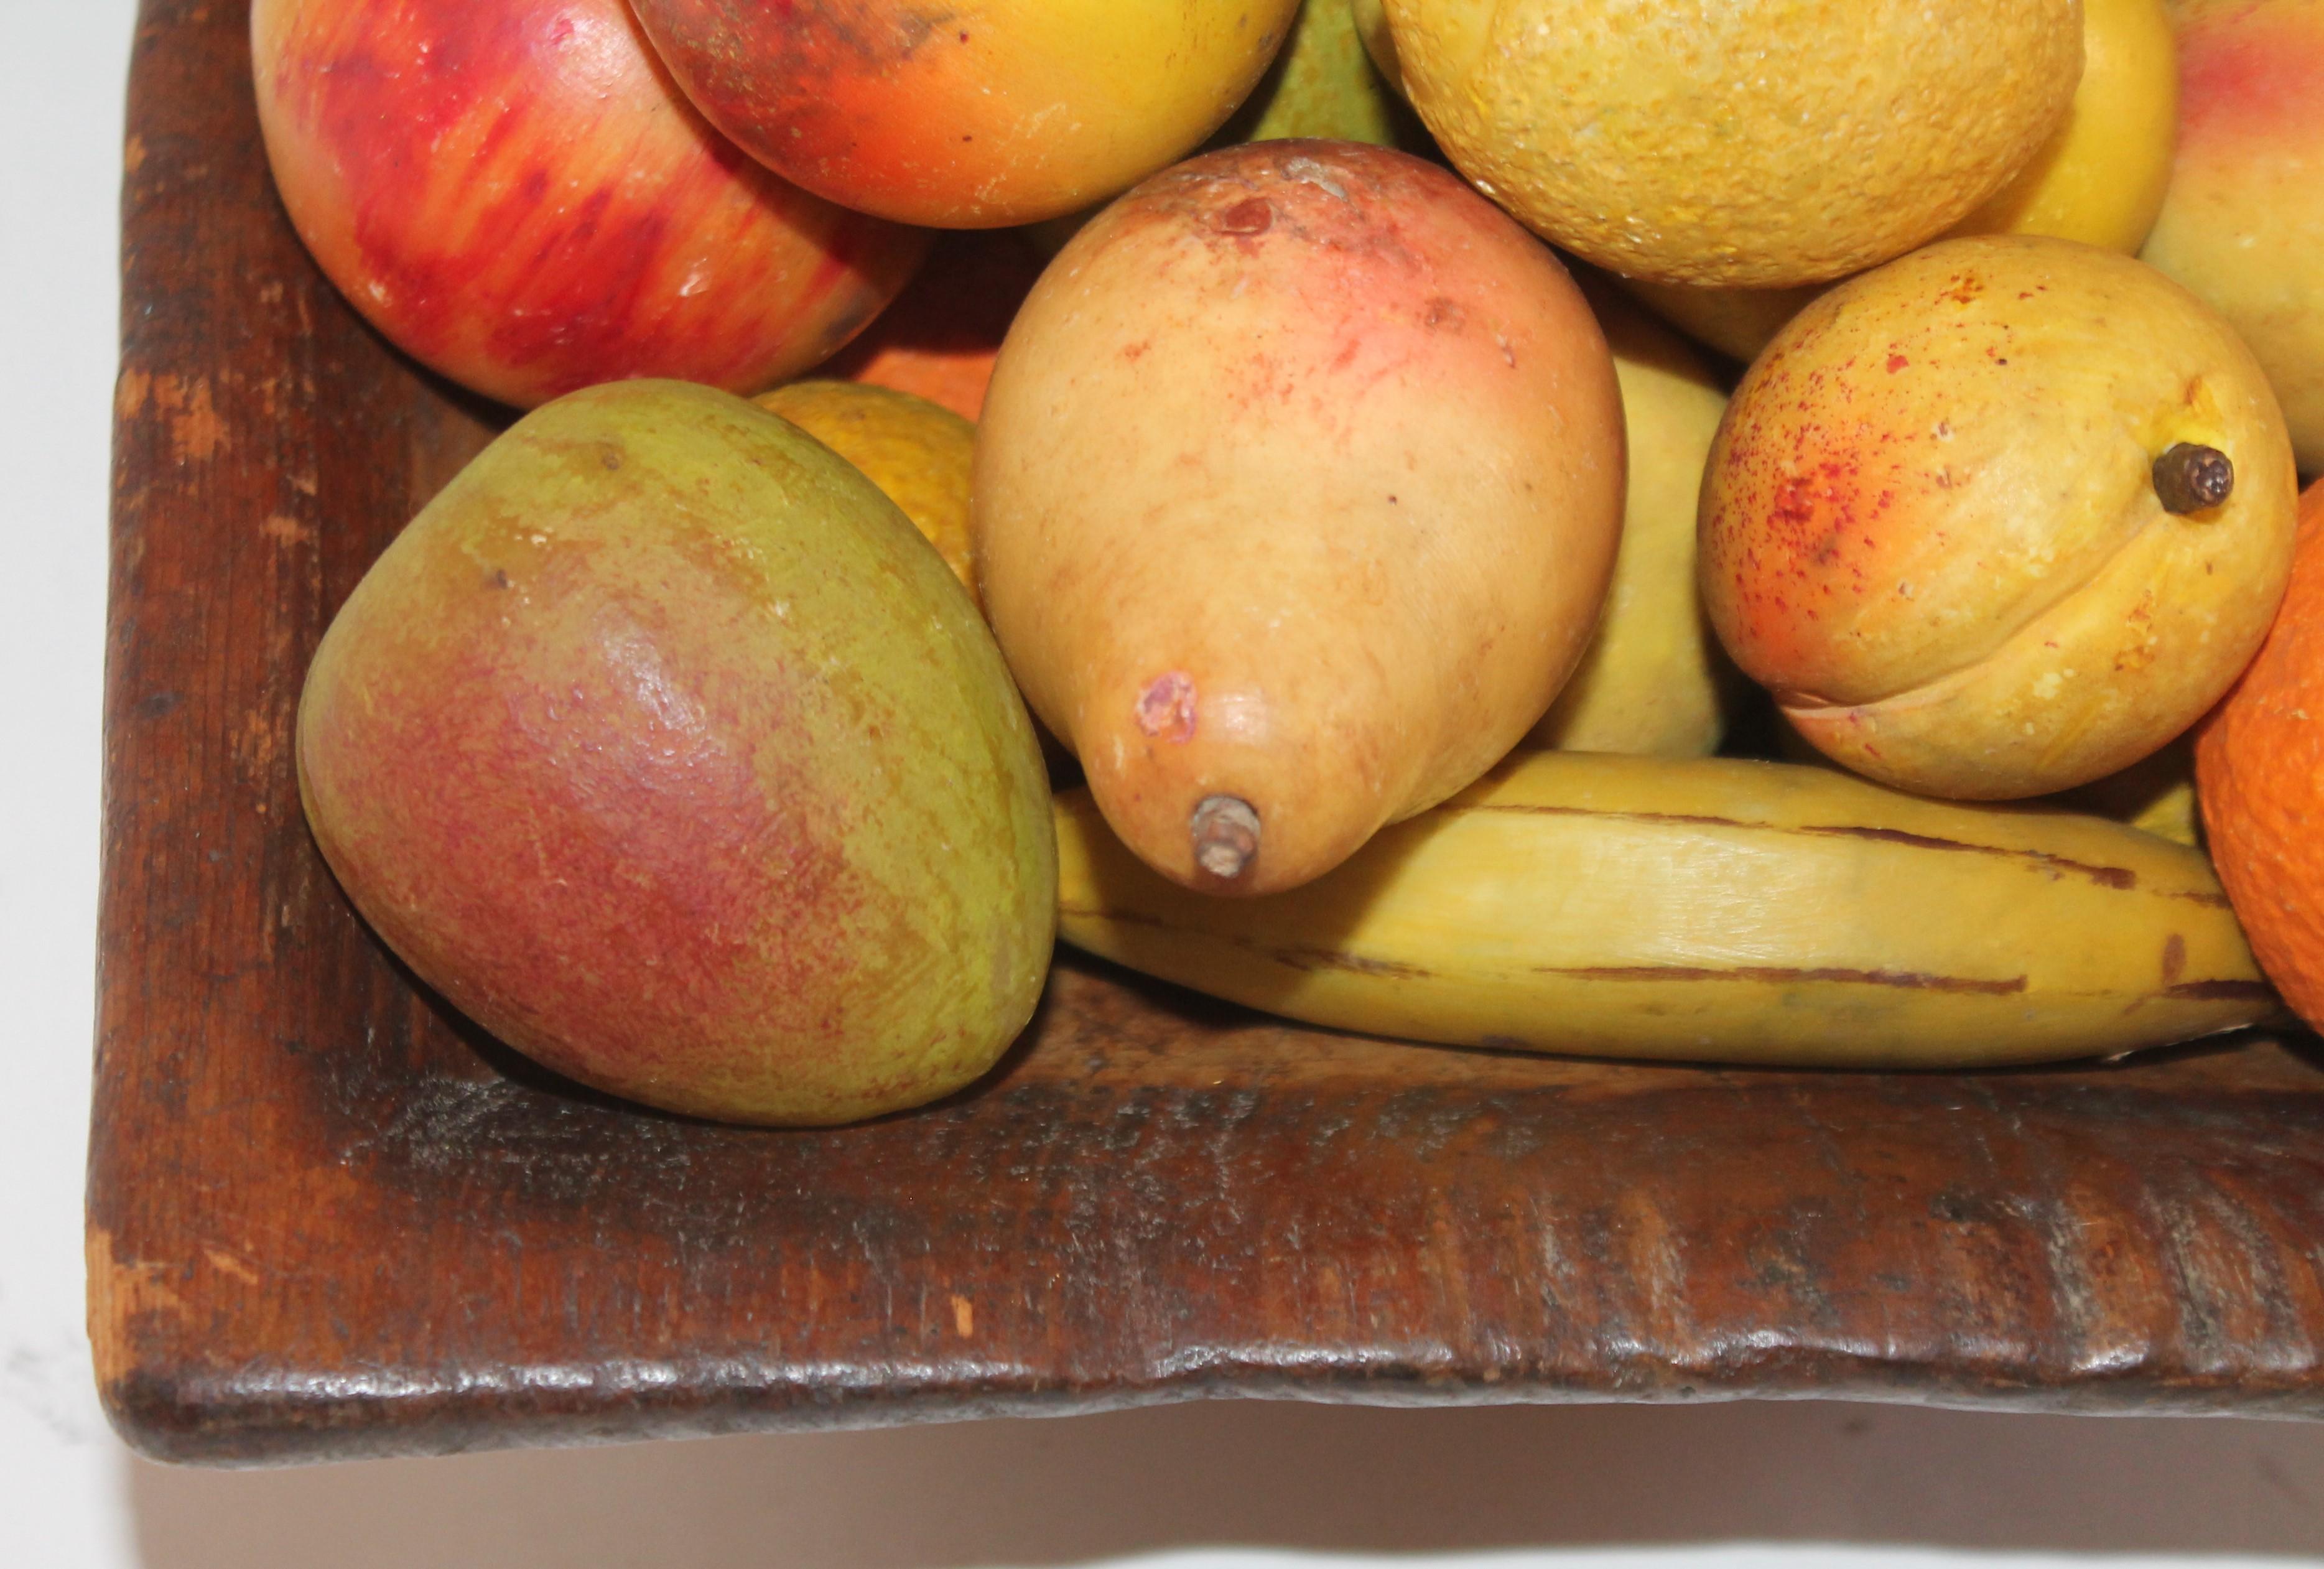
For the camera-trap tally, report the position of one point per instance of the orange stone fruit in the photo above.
(2259, 770)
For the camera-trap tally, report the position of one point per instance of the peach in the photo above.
(515, 194)
(2243, 221)
(1942, 520)
(1010, 112)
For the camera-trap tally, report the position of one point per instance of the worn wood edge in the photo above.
(272, 1418)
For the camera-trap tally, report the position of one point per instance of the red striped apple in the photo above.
(515, 194)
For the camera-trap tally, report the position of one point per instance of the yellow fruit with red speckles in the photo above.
(1932, 522)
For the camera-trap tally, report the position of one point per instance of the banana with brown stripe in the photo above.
(1707, 909)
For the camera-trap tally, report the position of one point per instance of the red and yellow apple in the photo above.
(1942, 522)
(2243, 222)
(975, 115)
(516, 195)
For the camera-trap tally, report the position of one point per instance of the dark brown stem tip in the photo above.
(2194, 478)
(1225, 831)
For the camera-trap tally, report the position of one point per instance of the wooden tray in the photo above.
(327, 1218)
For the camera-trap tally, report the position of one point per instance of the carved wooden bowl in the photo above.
(328, 1219)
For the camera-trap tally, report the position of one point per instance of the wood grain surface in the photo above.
(325, 1218)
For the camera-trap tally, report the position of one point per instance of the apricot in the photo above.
(1998, 518)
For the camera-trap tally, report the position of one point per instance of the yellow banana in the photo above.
(1707, 909)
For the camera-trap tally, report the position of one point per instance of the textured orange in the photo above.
(2259, 769)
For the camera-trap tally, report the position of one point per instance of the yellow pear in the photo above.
(1297, 496)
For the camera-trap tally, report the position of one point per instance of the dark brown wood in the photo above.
(326, 1219)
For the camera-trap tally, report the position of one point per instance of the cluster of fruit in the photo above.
(1385, 578)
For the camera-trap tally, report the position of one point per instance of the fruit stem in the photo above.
(2189, 477)
(1225, 831)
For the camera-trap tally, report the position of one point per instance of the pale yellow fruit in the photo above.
(1753, 141)
(920, 454)
(1652, 681)
(2100, 180)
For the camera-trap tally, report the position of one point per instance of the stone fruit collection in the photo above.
(1228, 483)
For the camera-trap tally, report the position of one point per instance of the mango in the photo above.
(663, 746)
(1297, 489)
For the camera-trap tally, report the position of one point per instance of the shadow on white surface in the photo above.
(1306, 1479)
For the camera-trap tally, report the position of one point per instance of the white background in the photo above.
(1228, 1483)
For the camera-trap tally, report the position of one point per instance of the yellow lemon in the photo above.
(2100, 180)
(1751, 141)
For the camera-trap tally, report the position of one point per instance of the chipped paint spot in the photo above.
(1166, 708)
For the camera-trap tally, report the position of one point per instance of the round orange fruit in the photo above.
(2259, 771)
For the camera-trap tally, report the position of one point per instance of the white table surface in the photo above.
(1232, 1482)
